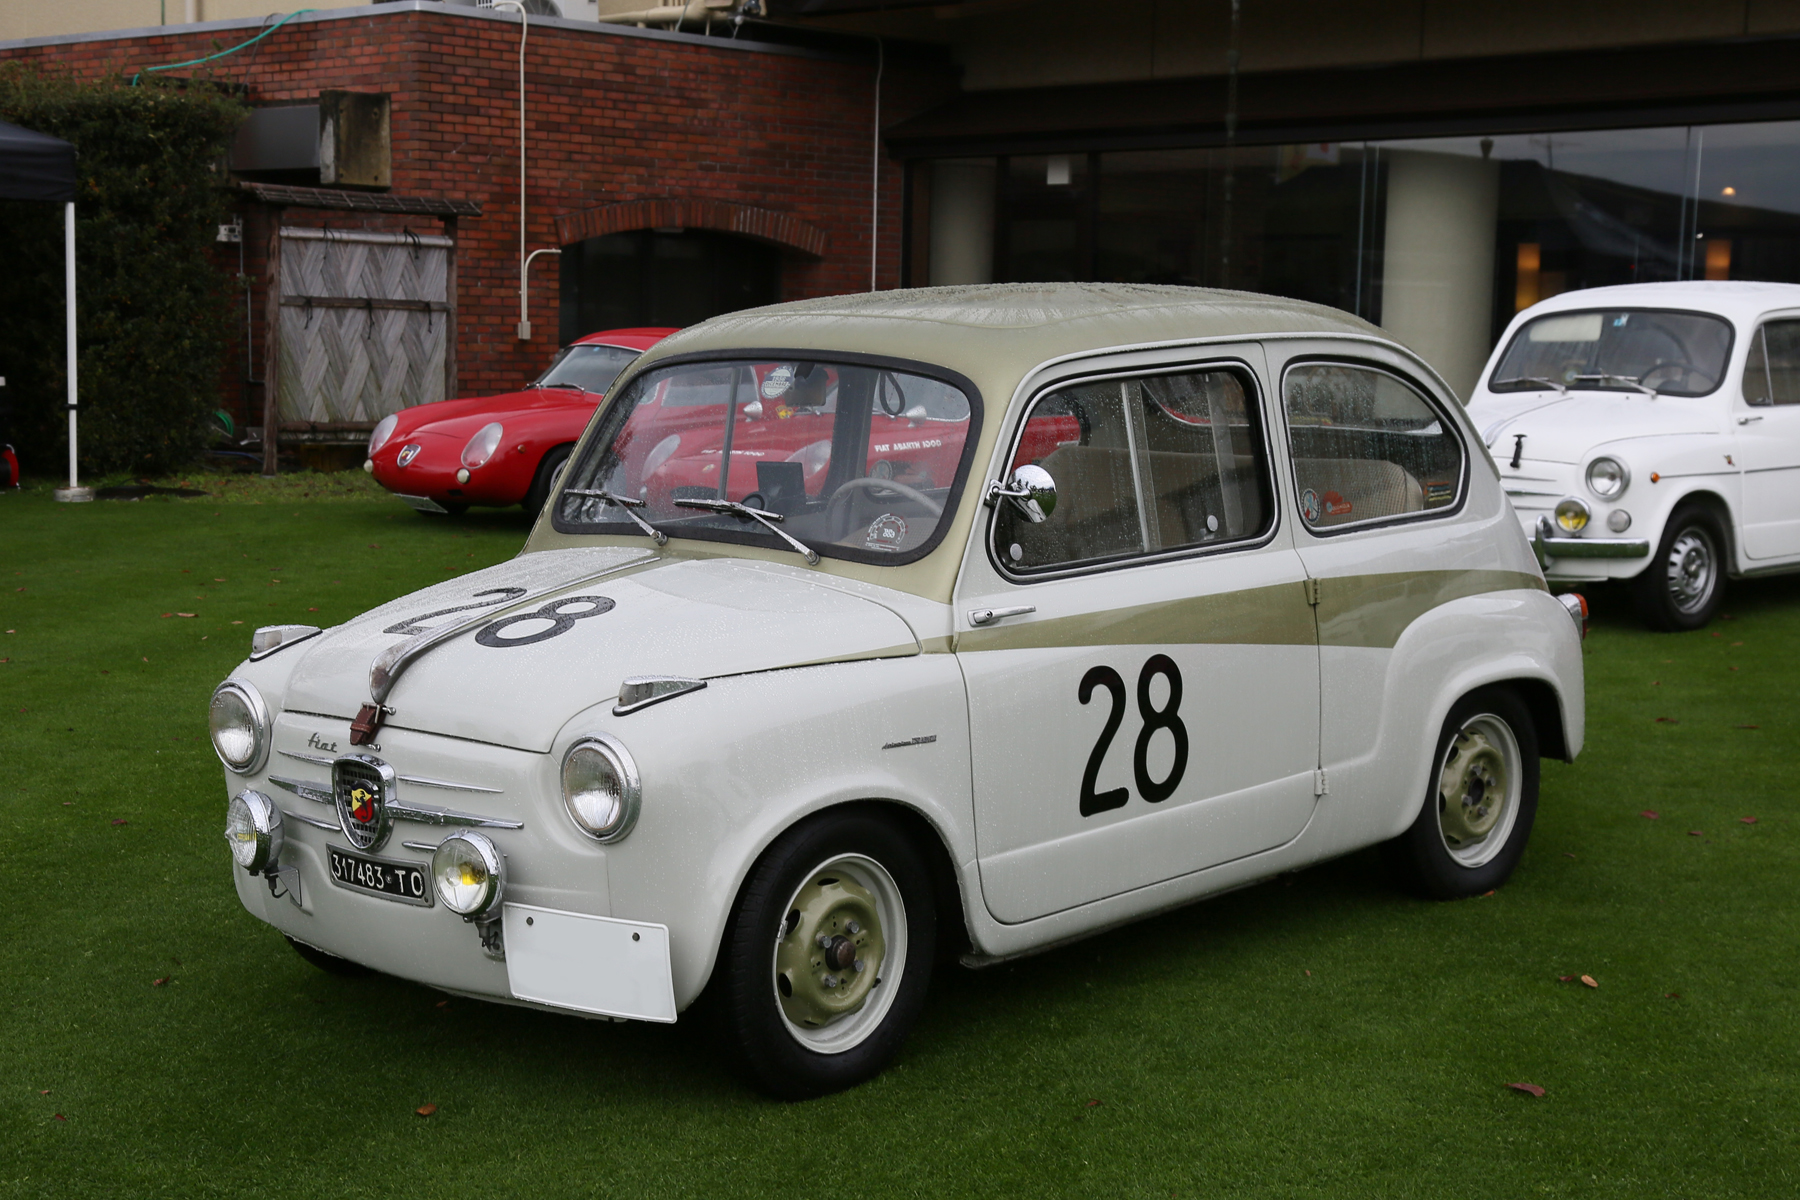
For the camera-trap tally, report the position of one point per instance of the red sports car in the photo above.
(501, 450)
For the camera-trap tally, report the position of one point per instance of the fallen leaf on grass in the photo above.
(372, 546)
(187, 614)
(237, 622)
(59, 1116)
(216, 579)
(1565, 979)
(1716, 633)
(1589, 980)
(43, 1091)
(443, 1004)
(1530, 1089)
(1309, 974)
(1566, 854)
(316, 610)
(1734, 668)
(1093, 1104)
(159, 982)
(1668, 720)
(1746, 820)
(1695, 833)
(167, 615)
(425, 1110)
(145, 658)
(1747, 727)
(1656, 683)
(1650, 814)
(120, 821)
(1671, 995)
(1487, 893)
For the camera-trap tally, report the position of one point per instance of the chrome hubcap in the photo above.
(1478, 790)
(845, 926)
(1691, 570)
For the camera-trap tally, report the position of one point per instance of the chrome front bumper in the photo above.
(1549, 547)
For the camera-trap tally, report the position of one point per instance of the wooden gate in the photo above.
(367, 322)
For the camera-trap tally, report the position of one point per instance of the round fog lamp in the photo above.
(253, 831)
(1618, 520)
(1608, 477)
(468, 872)
(1572, 515)
(240, 726)
(601, 788)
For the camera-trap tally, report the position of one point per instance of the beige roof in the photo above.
(995, 333)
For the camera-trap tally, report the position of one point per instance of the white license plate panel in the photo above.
(589, 964)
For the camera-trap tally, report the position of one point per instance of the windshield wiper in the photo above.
(1608, 377)
(762, 515)
(1563, 388)
(626, 503)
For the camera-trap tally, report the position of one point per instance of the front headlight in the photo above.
(468, 872)
(240, 726)
(601, 788)
(384, 429)
(1608, 477)
(253, 831)
(1572, 514)
(481, 447)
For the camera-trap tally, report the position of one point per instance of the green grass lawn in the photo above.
(1316, 1035)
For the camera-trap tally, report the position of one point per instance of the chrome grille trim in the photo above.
(304, 790)
(400, 810)
(421, 780)
(328, 826)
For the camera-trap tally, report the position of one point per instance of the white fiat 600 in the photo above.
(866, 631)
(1651, 433)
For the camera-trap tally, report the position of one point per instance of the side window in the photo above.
(1772, 373)
(1366, 446)
(1142, 465)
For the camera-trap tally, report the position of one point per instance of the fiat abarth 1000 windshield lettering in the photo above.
(1658, 353)
(848, 460)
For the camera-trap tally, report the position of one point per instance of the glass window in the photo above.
(587, 368)
(1142, 465)
(1772, 374)
(1672, 353)
(1366, 446)
(854, 462)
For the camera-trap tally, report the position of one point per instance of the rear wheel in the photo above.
(1480, 804)
(827, 957)
(549, 474)
(1684, 584)
(331, 964)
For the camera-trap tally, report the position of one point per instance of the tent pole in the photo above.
(72, 492)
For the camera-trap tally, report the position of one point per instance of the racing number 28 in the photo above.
(1167, 717)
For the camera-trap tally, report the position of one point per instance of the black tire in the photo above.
(331, 964)
(549, 467)
(1446, 854)
(805, 887)
(1684, 584)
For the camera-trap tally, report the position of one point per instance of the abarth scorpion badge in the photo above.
(362, 785)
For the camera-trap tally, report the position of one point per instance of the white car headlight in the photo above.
(384, 429)
(481, 447)
(1573, 514)
(253, 831)
(1608, 477)
(240, 726)
(601, 788)
(468, 873)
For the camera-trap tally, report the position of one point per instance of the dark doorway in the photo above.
(663, 277)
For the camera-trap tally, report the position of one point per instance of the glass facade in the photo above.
(1441, 240)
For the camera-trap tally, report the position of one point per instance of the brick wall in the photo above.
(612, 118)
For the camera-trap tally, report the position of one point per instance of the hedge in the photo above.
(153, 307)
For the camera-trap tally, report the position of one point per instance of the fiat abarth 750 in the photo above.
(872, 633)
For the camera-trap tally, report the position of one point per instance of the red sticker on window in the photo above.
(1336, 505)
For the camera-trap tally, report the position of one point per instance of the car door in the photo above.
(1141, 661)
(1768, 441)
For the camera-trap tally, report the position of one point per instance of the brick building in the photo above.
(679, 175)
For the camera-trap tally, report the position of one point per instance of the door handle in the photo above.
(1747, 420)
(987, 616)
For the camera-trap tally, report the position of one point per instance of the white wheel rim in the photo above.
(1692, 570)
(852, 1029)
(1480, 771)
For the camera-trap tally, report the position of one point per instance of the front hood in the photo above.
(464, 417)
(518, 684)
(1566, 429)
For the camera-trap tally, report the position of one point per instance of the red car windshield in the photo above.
(590, 368)
(854, 461)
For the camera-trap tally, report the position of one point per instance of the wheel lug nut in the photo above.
(852, 928)
(824, 941)
(831, 981)
(858, 965)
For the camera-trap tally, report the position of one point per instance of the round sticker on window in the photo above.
(886, 532)
(1309, 504)
(777, 382)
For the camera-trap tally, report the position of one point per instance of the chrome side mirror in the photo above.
(1031, 490)
(753, 411)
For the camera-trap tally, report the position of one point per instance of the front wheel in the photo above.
(828, 954)
(1685, 581)
(549, 474)
(1480, 803)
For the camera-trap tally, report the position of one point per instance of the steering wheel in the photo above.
(839, 503)
(1686, 368)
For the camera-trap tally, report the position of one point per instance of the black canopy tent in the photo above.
(36, 166)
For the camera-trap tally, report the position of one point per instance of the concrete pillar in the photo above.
(1437, 290)
(962, 221)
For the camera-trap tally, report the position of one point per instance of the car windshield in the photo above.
(1629, 350)
(590, 368)
(851, 461)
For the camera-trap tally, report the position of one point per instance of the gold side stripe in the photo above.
(1374, 610)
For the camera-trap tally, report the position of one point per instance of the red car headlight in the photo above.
(481, 447)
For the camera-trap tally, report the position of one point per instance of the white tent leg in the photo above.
(72, 492)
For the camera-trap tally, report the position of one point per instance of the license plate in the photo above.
(384, 877)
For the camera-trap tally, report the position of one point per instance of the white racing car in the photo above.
(1083, 603)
